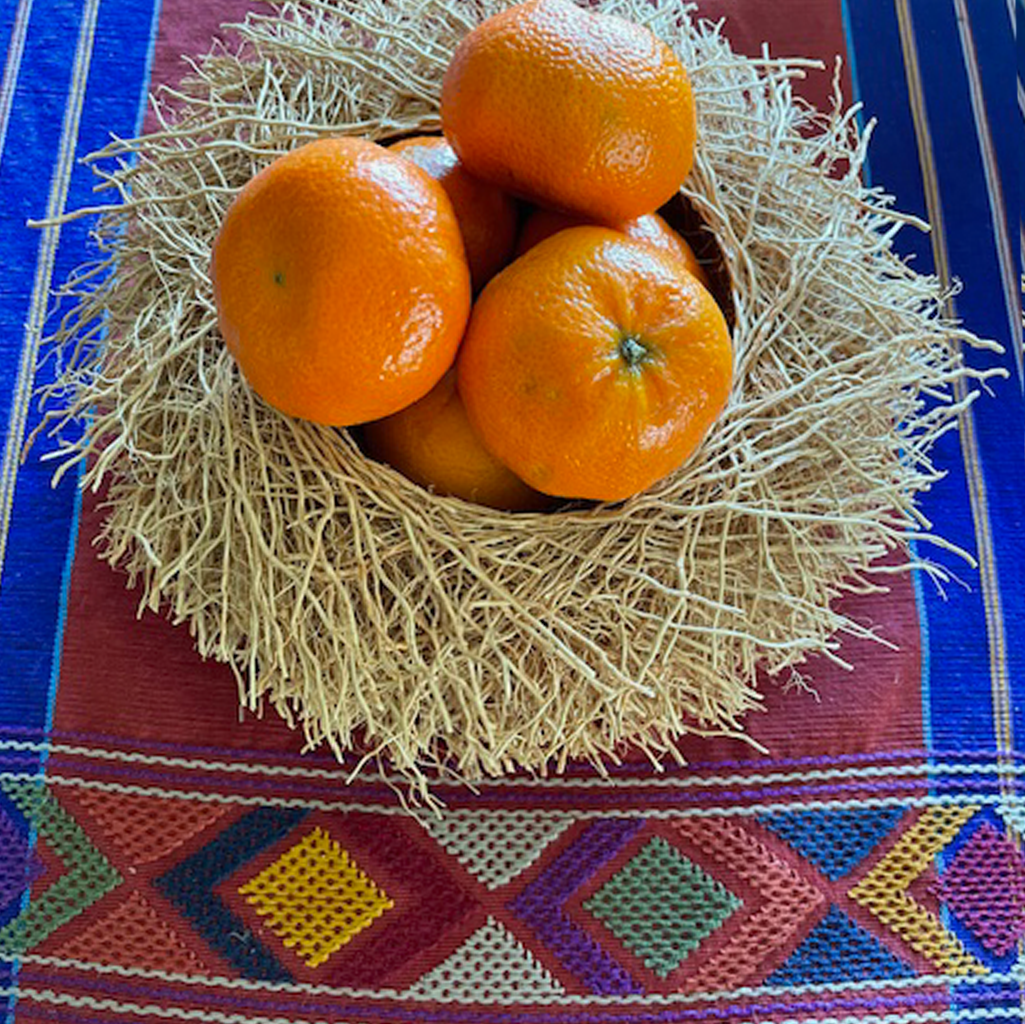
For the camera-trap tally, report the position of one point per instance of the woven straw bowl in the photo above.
(434, 634)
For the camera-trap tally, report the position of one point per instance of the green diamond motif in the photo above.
(89, 874)
(662, 906)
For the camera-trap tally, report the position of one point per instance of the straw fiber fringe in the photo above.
(428, 630)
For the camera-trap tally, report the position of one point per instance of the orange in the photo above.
(433, 443)
(487, 216)
(341, 282)
(581, 112)
(594, 365)
(650, 228)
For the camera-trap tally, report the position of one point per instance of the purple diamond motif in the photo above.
(985, 887)
(541, 905)
(18, 868)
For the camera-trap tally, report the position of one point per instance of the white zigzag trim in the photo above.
(1016, 975)
(217, 1017)
(994, 767)
(578, 814)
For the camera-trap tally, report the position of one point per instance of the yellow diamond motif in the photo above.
(315, 898)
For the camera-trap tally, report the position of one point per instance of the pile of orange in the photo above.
(501, 311)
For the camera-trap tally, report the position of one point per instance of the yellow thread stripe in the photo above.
(969, 445)
(12, 66)
(883, 891)
(994, 189)
(46, 254)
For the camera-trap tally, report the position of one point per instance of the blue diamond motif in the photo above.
(838, 950)
(834, 841)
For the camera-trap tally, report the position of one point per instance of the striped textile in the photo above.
(159, 858)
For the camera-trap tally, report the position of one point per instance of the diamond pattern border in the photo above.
(440, 904)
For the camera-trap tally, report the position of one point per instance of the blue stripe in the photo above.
(33, 136)
(30, 583)
(1000, 420)
(995, 50)
(140, 113)
(8, 9)
(42, 519)
(1019, 10)
(920, 581)
(959, 693)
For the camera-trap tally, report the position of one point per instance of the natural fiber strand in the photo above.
(429, 632)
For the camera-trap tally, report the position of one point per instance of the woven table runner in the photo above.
(164, 858)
